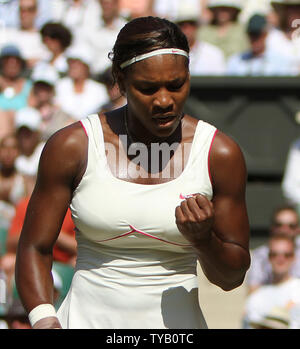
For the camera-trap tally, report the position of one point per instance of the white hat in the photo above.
(186, 12)
(277, 318)
(28, 117)
(46, 74)
(225, 3)
(80, 52)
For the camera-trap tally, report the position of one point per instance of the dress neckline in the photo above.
(101, 149)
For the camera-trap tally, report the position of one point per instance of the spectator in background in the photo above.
(42, 98)
(57, 38)
(64, 250)
(205, 58)
(9, 13)
(171, 8)
(14, 86)
(27, 124)
(136, 8)
(252, 7)
(287, 35)
(27, 37)
(77, 14)
(77, 94)
(260, 60)
(13, 185)
(291, 177)
(102, 39)
(225, 31)
(284, 290)
(285, 220)
(116, 98)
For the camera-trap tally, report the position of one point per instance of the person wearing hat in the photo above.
(101, 40)
(27, 125)
(77, 14)
(171, 8)
(205, 58)
(260, 60)
(26, 36)
(287, 34)
(224, 30)
(283, 292)
(42, 98)
(14, 86)
(251, 7)
(277, 319)
(78, 94)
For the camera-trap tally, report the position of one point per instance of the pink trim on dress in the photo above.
(134, 230)
(83, 128)
(208, 160)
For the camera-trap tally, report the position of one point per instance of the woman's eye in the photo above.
(175, 87)
(148, 90)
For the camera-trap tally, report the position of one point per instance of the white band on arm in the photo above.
(40, 312)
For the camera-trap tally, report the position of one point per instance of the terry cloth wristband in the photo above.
(40, 312)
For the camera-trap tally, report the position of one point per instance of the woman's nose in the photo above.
(163, 100)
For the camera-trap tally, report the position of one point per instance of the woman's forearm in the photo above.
(33, 277)
(223, 263)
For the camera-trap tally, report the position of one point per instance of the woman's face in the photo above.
(53, 45)
(156, 90)
(224, 14)
(77, 69)
(11, 67)
(8, 152)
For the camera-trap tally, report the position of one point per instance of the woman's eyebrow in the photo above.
(152, 83)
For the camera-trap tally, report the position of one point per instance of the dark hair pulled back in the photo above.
(143, 35)
(57, 31)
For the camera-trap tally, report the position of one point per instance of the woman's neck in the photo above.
(280, 278)
(138, 133)
(223, 28)
(55, 55)
(79, 84)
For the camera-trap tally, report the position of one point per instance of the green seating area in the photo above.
(3, 236)
(263, 116)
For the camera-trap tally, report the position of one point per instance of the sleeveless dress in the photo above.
(134, 268)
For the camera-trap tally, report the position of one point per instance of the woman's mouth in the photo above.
(164, 120)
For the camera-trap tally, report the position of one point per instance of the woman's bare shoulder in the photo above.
(66, 149)
(70, 138)
(227, 162)
(225, 147)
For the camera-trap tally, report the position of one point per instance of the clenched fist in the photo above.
(194, 218)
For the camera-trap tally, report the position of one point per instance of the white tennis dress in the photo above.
(134, 268)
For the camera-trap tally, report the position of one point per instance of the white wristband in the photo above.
(40, 312)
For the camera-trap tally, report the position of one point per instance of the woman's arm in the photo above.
(219, 230)
(61, 166)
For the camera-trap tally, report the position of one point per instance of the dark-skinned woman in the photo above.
(152, 191)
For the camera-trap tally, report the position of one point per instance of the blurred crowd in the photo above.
(55, 69)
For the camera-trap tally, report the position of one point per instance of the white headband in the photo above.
(163, 51)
